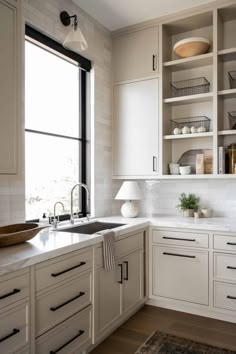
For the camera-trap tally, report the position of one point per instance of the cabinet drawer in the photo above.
(14, 333)
(223, 242)
(13, 288)
(178, 238)
(122, 247)
(225, 296)
(180, 274)
(225, 266)
(71, 336)
(55, 306)
(61, 268)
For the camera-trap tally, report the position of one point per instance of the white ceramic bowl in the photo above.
(190, 47)
(185, 170)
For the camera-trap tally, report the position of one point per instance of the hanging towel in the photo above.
(109, 257)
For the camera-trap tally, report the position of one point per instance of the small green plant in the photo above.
(188, 202)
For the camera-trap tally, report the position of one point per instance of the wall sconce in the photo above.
(75, 38)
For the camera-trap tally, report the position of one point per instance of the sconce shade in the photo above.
(75, 39)
(129, 191)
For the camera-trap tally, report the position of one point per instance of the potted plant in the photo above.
(188, 204)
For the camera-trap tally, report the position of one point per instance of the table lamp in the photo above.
(130, 192)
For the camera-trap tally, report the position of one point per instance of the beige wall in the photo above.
(44, 16)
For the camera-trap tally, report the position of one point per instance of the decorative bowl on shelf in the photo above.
(13, 234)
(185, 170)
(190, 47)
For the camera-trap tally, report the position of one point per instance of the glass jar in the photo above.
(232, 158)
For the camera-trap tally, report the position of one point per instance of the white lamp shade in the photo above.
(129, 191)
(75, 39)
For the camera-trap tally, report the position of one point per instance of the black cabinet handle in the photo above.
(14, 331)
(64, 345)
(67, 302)
(229, 267)
(231, 243)
(127, 270)
(15, 291)
(178, 255)
(154, 62)
(231, 297)
(68, 270)
(121, 274)
(154, 164)
(179, 239)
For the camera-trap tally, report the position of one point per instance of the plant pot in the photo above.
(188, 213)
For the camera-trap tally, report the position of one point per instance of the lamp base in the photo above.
(129, 209)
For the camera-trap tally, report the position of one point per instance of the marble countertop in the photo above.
(51, 243)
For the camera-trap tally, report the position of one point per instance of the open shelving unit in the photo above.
(219, 26)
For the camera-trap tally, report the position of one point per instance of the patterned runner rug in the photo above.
(163, 343)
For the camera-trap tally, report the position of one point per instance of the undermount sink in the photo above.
(13, 234)
(91, 228)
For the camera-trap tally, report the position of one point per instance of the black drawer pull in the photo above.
(231, 297)
(121, 273)
(231, 243)
(14, 331)
(67, 302)
(64, 345)
(154, 62)
(127, 270)
(178, 255)
(179, 239)
(15, 291)
(229, 267)
(67, 270)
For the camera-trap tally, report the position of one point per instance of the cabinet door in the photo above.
(8, 89)
(136, 55)
(108, 300)
(133, 273)
(136, 129)
(180, 274)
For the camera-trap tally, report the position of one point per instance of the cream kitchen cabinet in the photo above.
(10, 88)
(135, 129)
(136, 55)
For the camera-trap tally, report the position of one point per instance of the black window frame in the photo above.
(85, 65)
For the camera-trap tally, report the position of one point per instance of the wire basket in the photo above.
(199, 124)
(232, 79)
(232, 120)
(190, 87)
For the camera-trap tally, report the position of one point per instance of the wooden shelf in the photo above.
(188, 136)
(202, 97)
(190, 63)
(227, 54)
(227, 93)
(227, 132)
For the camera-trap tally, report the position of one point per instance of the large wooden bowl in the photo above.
(18, 233)
(190, 47)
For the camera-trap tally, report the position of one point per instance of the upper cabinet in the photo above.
(136, 55)
(10, 100)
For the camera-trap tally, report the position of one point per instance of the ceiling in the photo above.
(115, 14)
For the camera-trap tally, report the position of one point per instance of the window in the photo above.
(55, 125)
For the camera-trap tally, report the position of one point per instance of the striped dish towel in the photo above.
(109, 256)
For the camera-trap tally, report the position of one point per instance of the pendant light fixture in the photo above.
(75, 38)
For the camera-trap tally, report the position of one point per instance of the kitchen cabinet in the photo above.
(135, 129)
(136, 55)
(10, 88)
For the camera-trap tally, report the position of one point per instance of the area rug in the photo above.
(163, 343)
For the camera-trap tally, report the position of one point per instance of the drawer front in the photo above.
(14, 289)
(14, 333)
(180, 274)
(177, 238)
(61, 268)
(227, 243)
(225, 296)
(62, 302)
(122, 247)
(225, 266)
(71, 336)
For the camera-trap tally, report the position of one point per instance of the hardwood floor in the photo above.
(129, 337)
